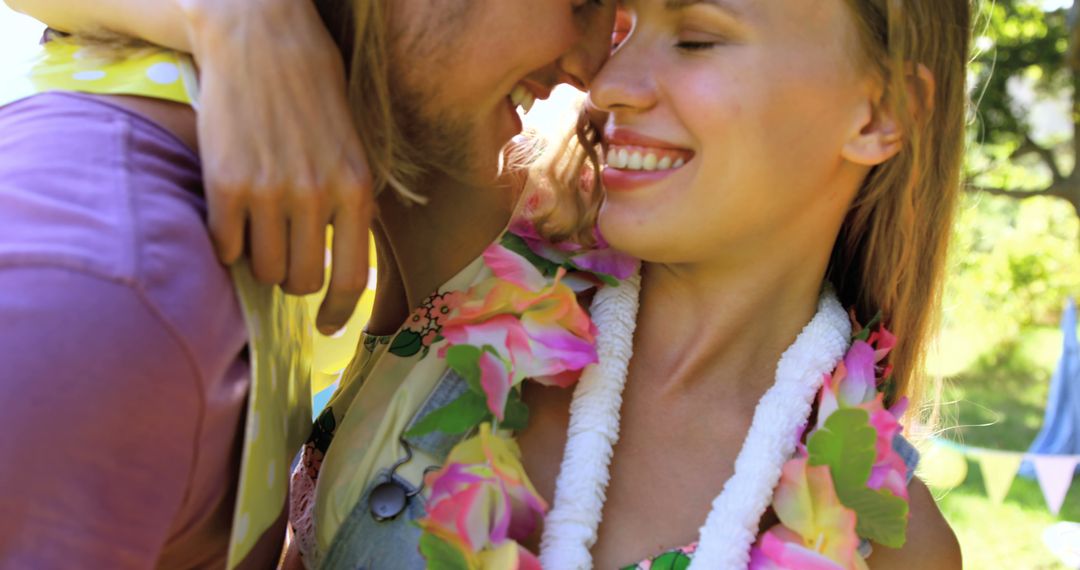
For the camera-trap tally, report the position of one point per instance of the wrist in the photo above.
(204, 23)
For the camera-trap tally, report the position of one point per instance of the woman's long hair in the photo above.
(890, 255)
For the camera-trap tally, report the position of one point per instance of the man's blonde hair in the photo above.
(360, 28)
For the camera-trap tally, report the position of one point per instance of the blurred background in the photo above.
(1002, 445)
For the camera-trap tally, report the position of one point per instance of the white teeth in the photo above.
(649, 163)
(631, 159)
(518, 95)
(613, 159)
(522, 97)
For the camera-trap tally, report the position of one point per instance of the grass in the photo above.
(997, 402)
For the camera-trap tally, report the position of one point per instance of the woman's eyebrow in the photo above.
(724, 5)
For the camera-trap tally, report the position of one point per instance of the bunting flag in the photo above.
(1055, 474)
(998, 470)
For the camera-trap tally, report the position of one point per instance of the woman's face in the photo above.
(465, 66)
(730, 128)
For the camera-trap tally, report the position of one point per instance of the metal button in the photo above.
(387, 501)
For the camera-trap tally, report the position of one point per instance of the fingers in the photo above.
(307, 244)
(349, 274)
(226, 217)
(268, 237)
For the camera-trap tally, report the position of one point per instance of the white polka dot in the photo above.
(328, 259)
(163, 73)
(80, 54)
(242, 527)
(340, 333)
(93, 75)
(271, 474)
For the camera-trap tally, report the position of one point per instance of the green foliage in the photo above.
(1013, 265)
(997, 402)
(440, 555)
(459, 416)
(846, 444)
(1016, 40)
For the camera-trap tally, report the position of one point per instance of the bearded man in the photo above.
(125, 339)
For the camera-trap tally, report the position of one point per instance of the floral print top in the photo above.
(378, 394)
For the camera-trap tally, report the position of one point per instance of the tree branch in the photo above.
(1029, 146)
(1054, 191)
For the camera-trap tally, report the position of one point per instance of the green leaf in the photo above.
(881, 516)
(459, 416)
(440, 555)
(517, 245)
(606, 279)
(465, 360)
(517, 413)
(864, 334)
(846, 444)
(674, 560)
(406, 344)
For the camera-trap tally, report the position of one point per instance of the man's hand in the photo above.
(280, 154)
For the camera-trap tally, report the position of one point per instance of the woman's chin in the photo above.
(635, 234)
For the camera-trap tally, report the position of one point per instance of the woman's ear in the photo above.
(878, 135)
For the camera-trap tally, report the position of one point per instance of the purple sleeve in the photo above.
(98, 424)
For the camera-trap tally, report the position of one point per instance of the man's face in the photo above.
(456, 65)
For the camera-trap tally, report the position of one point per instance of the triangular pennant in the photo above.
(1055, 473)
(998, 470)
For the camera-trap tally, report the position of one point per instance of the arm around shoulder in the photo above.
(931, 543)
(164, 22)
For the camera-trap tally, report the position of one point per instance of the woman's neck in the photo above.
(700, 322)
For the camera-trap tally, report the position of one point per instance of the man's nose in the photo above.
(583, 61)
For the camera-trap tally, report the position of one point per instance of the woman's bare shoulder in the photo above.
(931, 543)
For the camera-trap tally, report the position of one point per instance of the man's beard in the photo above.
(440, 143)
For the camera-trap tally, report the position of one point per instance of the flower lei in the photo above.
(847, 482)
(525, 322)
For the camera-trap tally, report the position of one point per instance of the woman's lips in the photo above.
(631, 166)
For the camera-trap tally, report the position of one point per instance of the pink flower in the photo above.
(883, 342)
(443, 305)
(781, 549)
(889, 470)
(600, 259)
(508, 338)
(854, 379)
(510, 266)
(604, 259)
(481, 501)
(536, 329)
(418, 320)
(816, 530)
